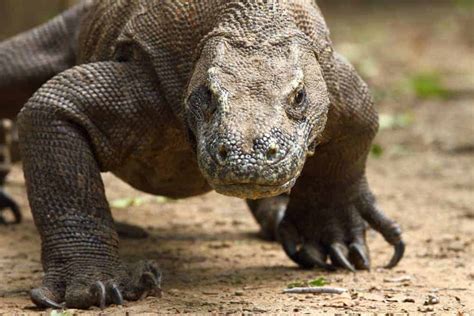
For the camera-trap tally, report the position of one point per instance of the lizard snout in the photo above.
(237, 154)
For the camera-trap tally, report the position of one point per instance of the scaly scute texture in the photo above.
(180, 97)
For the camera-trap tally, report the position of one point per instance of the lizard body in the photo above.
(178, 98)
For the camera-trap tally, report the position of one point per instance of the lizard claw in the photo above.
(116, 295)
(398, 254)
(338, 255)
(306, 256)
(98, 289)
(315, 258)
(359, 256)
(40, 298)
(387, 227)
(151, 281)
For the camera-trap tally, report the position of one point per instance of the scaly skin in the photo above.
(181, 97)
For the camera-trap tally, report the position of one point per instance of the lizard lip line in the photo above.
(286, 184)
(253, 191)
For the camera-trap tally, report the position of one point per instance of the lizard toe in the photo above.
(389, 229)
(339, 255)
(145, 281)
(43, 297)
(116, 296)
(358, 254)
(100, 294)
(397, 255)
(306, 255)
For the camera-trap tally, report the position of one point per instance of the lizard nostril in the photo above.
(223, 153)
(272, 152)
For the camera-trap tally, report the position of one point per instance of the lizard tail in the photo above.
(30, 59)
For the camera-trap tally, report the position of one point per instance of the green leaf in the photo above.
(318, 282)
(377, 150)
(428, 85)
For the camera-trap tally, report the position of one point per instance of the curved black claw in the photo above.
(306, 256)
(152, 283)
(38, 296)
(116, 295)
(7, 202)
(337, 253)
(384, 225)
(98, 289)
(359, 256)
(397, 256)
(315, 258)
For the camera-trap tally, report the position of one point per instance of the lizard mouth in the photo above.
(253, 191)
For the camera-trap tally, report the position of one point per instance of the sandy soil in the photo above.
(208, 249)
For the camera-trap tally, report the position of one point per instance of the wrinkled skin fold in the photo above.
(178, 98)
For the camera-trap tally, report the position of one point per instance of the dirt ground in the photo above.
(422, 173)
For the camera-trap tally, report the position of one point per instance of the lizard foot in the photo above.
(310, 237)
(6, 202)
(99, 289)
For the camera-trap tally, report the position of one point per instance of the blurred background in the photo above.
(418, 58)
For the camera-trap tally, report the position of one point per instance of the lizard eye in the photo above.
(299, 99)
(202, 103)
(298, 104)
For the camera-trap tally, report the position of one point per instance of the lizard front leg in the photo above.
(331, 204)
(84, 121)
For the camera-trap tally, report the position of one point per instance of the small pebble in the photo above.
(431, 300)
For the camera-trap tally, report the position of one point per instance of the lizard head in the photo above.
(255, 111)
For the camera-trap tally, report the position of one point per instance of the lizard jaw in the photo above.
(253, 191)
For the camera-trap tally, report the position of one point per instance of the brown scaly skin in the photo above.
(181, 97)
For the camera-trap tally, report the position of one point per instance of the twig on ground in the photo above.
(403, 278)
(315, 290)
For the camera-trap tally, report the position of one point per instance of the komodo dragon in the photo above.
(177, 98)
